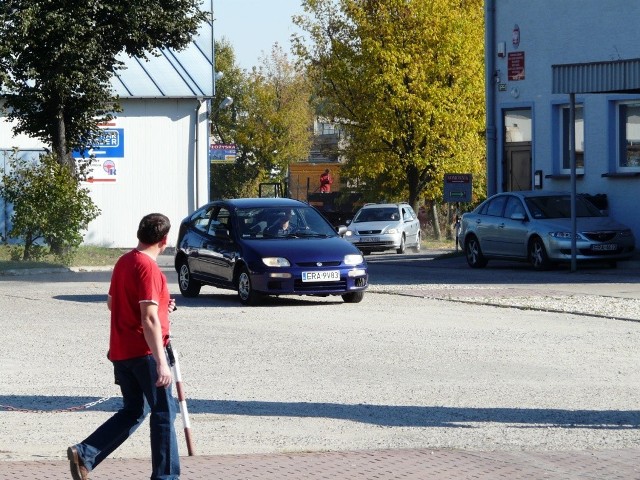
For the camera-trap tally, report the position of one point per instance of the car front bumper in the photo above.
(289, 281)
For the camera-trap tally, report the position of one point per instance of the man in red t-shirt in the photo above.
(140, 305)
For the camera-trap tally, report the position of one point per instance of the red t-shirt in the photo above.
(136, 278)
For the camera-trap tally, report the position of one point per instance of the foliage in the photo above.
(48, 205)
(57, 58)
(269, 121)
(405, 79)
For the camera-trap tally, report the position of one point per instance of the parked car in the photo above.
(377, 227)
(535, 226)
(267, 246)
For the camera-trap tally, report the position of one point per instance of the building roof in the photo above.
(173, 74)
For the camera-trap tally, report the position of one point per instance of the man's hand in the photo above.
(164, 375)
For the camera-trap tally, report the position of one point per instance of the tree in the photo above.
(57, 58)
(48, 204)
(405, 79)
(269, 121)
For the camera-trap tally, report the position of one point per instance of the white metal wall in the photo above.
(164, 168)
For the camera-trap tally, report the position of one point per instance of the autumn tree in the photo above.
(270, 119)
(405, 80)
(57, 58)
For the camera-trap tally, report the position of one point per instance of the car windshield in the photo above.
(559, 206)
(274, 222)
(382, 214)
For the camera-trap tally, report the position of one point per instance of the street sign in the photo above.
(457, 187)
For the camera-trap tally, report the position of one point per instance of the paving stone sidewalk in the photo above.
(414, 464)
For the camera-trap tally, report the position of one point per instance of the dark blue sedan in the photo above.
(267, 246)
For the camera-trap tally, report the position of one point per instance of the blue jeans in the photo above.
(137, 379)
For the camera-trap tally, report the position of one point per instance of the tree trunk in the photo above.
(436, 222)
(60, 143)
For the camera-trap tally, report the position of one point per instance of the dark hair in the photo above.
(153, 228)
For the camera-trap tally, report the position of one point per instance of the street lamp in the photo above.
(225, 103)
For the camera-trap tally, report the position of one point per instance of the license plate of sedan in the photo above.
(324, 276)
(369, 239)
(605, 247)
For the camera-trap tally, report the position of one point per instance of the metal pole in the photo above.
(183, 405)
(572, 159)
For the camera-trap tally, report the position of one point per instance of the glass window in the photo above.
(514, 205)
(629, 133)
(564, 136)
(496, 206)
(517, 124)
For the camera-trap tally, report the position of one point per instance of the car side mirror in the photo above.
(518, 216)
(341, 230)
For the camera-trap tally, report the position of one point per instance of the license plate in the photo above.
(369, 239)
(605, 247)
(323, 276)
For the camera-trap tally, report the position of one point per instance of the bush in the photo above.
(49, 206)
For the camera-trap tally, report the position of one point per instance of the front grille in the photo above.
(300, 286)
(369, 232)
(603, 236)
(366, 245)
(315, 264)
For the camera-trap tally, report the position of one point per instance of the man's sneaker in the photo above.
(78, 470)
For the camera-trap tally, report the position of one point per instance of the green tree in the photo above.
(57, 58)
(48, 204)
(405, 79)
(269, 121)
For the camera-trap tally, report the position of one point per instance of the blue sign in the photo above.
(109, 145)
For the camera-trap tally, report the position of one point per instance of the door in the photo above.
(517, 168)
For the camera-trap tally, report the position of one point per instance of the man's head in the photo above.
(153, 228)
(326, 171)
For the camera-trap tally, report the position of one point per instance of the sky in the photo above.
(253, 26)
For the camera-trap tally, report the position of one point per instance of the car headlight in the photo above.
(348, 233)
(276, 262)
(393, 230)
(626, 233)
(353, 259)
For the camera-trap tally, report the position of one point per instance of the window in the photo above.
(629, 136)
(514, 206)
(517, 125)
(565, 113)
(496, 206)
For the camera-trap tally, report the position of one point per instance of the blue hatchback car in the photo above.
(267, 246)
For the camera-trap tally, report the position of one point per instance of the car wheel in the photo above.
(418, 245)
(402, 248)
(353, 297)
(248, 296)
(474, 255)
(188, 286)
(538, 255)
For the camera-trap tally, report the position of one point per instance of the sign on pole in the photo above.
(457, 187)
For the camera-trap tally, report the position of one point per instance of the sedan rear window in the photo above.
(559, 206)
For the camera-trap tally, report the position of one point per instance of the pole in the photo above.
(183, 405)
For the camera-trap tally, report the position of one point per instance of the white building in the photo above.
(156, 155)
(539, 56)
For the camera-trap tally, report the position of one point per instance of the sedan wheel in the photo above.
(188, 286)
(248, 296)
(475, 258)
(402, 248)
(418, 244)
(353, 297)
(538, 255)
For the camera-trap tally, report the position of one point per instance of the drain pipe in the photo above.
(490, 96)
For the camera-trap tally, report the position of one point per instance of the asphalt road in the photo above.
(409, 367)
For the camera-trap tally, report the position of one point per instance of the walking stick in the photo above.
(183, 404)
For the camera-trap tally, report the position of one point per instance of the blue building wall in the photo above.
(560, 32)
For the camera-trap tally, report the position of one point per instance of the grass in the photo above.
(84, 256)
